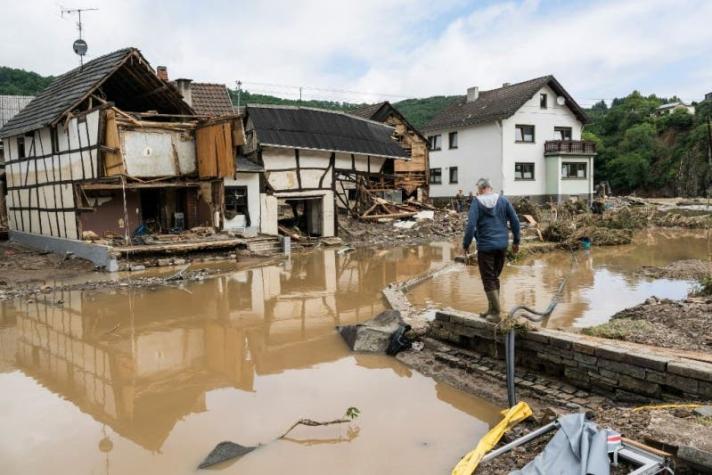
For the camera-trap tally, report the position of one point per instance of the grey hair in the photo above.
(483, 183)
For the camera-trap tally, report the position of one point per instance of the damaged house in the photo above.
(411, 176)
(111, 152)
(313, 160)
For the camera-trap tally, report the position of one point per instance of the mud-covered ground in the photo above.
(678, 324)
(21, 266)
(688, 269)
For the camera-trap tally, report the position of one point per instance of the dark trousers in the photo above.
(491, 264)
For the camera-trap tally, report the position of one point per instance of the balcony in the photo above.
(569, 147)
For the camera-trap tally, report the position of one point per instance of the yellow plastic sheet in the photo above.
(510, 418)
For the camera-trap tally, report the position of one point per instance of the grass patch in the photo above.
(703, 287)
(619, 329)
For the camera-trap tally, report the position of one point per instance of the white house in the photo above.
(524, 137)
(671, 107)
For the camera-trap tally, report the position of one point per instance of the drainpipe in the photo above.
(501, 154)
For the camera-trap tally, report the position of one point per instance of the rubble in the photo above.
(374, 335)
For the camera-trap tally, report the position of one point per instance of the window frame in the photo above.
(520, 164)
(561, 129)
(432, 139)
(543, 100)
(523, 128)
(450, 137)
(432, 175)
(565, 165)
(457, 176)
(20, 146)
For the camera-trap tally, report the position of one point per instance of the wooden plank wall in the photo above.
(113, 160)
(41, 196)
(214, 149)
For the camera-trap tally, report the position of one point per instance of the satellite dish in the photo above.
(561, 100)
(80, 47)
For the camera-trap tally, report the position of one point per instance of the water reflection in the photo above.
(600, 282)
(141, 360)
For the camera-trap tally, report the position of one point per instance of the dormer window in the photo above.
(542, 100)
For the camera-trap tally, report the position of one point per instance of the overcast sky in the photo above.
(416, 48)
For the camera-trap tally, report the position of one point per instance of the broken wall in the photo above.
(108, 216)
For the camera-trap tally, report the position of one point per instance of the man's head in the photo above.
(484, 186)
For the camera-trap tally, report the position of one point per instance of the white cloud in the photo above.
(597, 49)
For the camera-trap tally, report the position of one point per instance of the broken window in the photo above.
(236, 203)
(524, 133)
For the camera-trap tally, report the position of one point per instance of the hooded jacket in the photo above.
(487, 223)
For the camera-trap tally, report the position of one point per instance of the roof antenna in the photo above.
(80, 46)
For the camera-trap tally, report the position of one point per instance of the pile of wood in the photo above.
(384, 209)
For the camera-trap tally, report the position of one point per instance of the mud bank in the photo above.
(678, 324)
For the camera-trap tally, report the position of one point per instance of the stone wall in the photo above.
(621, 370)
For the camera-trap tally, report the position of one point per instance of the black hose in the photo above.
(534, 316)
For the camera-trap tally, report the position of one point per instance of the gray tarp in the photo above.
(578, 448)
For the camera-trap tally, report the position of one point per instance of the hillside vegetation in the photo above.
(637, 151)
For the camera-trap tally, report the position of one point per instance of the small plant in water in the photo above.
(352, 413)
(704, 286)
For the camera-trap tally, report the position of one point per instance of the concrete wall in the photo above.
(544, 121)
(99, 254)
(478, 154)
(625, 371)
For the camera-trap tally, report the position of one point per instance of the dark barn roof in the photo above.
(498, 104)
(301, 127)
(210, 99)
(124, 77)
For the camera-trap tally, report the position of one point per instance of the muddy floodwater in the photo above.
(601, 282)
(139, 381)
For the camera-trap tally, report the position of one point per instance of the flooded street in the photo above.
(149, 380)
(602, 281)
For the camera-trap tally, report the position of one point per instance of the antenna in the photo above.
(80, 46)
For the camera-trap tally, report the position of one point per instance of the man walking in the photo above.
(487, 224)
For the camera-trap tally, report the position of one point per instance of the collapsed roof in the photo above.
(123, 77)
(498, 104)
(317, 129)
(380, 112)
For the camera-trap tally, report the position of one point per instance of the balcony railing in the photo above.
(582, 147)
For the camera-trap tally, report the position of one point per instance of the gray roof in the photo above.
(10, 106)
(245, 165)
(498, 104)
(318, 129)
(137, 88)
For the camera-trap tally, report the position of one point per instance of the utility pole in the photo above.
(239, 92)
(300, 95)
(80, 46)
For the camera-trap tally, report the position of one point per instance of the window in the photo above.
(435, 142)
(524, 133)
(236, 202)
(436, 176)
(523, 171)
(453, 175)
(573, 170)
(542, 100)
(452, 139)
(20, 147)
(562, 133)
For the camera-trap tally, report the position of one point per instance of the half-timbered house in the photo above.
(110, 149)
(410, 176)
(313, 158)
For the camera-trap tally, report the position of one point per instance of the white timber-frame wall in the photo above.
(490, 150)
(40, 182)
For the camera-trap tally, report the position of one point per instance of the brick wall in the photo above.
(616, 369)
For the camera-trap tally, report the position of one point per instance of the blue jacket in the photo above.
(488, 226)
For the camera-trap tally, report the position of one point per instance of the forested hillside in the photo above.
(637, 151)
(18, 82)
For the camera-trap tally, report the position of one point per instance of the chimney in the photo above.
(183, 86)
(505, 84)
(473, 93)
(162, 73)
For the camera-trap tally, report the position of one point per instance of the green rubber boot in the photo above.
(494, 311)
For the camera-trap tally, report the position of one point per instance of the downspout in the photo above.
(501, 155)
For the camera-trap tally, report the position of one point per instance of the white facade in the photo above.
(491, 150)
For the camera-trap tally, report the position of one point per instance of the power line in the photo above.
(296, 90)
